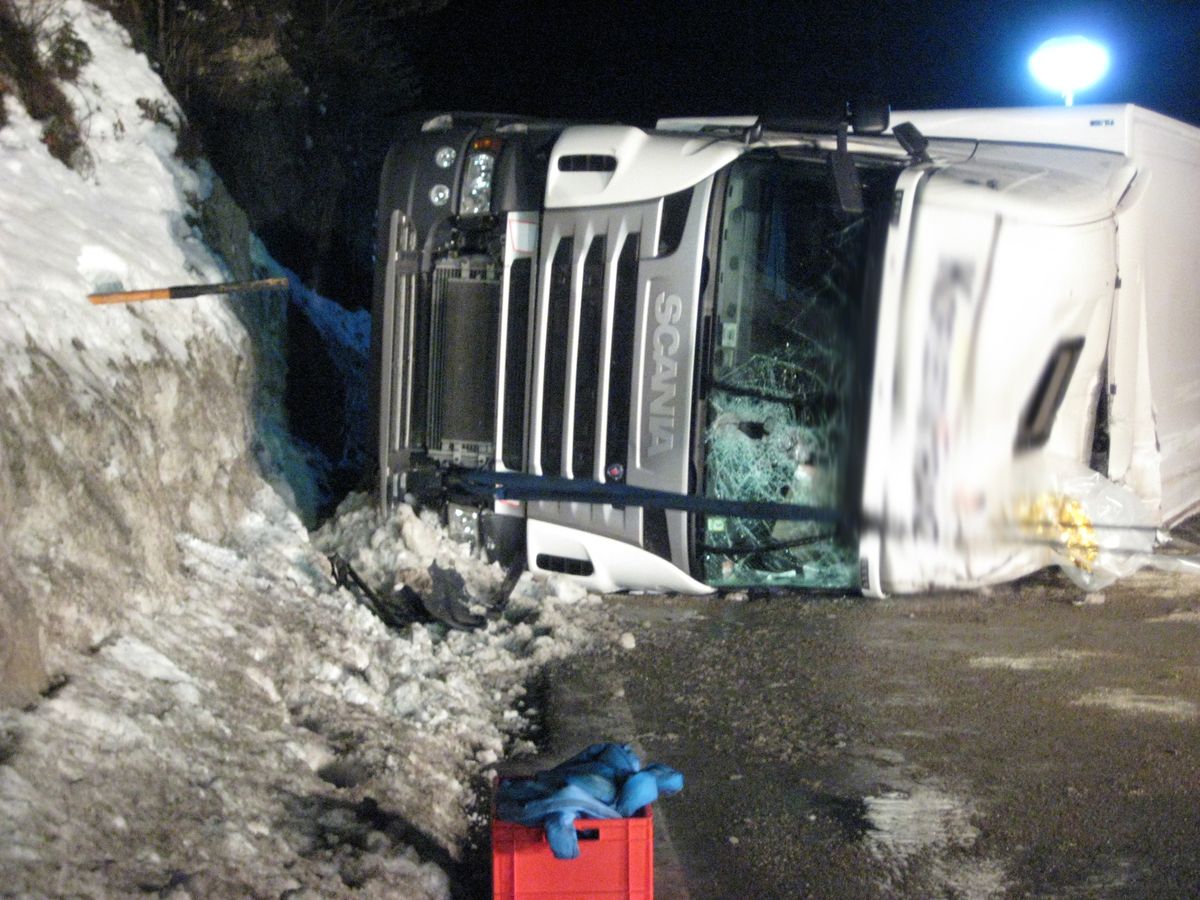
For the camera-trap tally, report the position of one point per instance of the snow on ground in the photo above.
(1127, 701)
(922, 831)
(267, 733)
(227, 721)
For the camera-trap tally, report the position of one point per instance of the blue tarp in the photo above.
(605, 781)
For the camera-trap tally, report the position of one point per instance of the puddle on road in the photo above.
(1056, 659)
(907, 822)
(1126, 701)
(848, 813)
(1188, 616)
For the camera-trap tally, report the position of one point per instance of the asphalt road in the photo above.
(1017, 742)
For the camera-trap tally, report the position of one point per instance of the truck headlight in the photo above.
(477, 184)
(439, 194)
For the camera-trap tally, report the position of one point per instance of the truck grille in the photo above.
(554, 369)
(587, 357)
(464, 318)
(454, 355)
(606, 276)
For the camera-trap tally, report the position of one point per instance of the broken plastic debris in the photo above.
(447, 598)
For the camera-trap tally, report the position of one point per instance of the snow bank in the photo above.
(462, 690)
(267, 733)
(225, 721)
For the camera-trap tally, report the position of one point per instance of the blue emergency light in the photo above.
(1066, 65)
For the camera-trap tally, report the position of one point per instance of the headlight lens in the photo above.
(477, 185)
(445, 157)
(439, 194)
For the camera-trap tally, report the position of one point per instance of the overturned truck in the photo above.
(740, 352)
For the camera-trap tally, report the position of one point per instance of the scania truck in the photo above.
(741, 352)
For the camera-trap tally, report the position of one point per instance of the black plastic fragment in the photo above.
(446, 603)
(395, 613)
(448, 600)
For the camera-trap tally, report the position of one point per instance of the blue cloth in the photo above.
(605, 781)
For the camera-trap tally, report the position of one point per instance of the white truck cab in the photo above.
(741, 353)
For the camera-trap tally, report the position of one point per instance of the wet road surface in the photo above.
(1016, 742)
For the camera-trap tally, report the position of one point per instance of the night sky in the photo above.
(635, 61)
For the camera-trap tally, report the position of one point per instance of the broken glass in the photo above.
(782, 387)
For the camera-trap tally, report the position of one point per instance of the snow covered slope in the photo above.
(224, 720)
(121, 425)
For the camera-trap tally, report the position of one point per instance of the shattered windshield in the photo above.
(782, 423)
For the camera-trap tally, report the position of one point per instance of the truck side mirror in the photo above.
(914, 143)
(846, 185)
(869, 115)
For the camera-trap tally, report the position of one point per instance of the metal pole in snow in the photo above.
(188, 290)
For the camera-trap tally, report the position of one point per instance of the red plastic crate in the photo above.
(616, 859)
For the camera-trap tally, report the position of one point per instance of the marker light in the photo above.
(1068, 64)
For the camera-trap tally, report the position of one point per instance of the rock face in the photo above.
(305, 170)
(121, 427)
(95, 486)
(250, 108)
(98, 486)
(303, 164)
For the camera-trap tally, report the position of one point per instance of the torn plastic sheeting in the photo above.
(1098, 530)
(605, 781)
